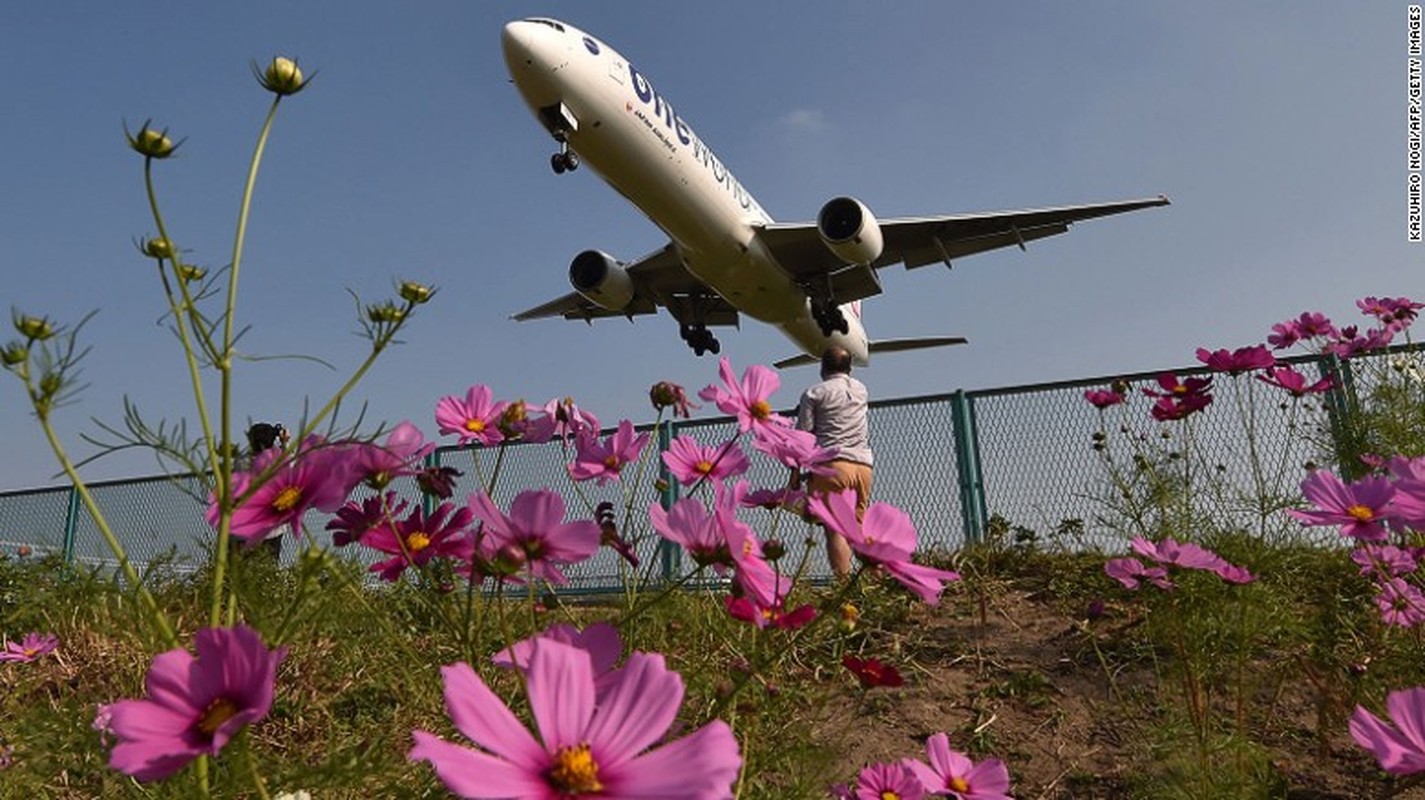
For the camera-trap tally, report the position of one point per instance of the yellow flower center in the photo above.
(611, 462)
(417, 541)
(219, 711)
(286, 500)
(1360, 512)
(1180, 389)
(703, 467)
(959, 784)
(761, 409)
(475, 425)
(890, 795)
(575, 772)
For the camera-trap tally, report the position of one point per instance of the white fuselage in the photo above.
(632, 136)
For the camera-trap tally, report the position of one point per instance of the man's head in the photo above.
(836, 360)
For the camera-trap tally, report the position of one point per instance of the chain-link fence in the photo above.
(1035, 463)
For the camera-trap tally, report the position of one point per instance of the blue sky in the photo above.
(1278, 130)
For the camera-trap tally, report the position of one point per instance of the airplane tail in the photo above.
(882, 346)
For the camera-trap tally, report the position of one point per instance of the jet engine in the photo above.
(601, 280)
(849, 230)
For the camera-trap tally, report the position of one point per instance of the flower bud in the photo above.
(157, 247)
(50, 384)
(14, 354)
(385, 314)
(189, 273)
(282, 77)
(415, 293)
(150, 143)
(773, 549)
(36, 329)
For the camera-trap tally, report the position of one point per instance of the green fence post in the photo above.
(668, 553)
(71, 524)
(1340, 402)
(967, 467)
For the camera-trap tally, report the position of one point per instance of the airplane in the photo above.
(727, 257)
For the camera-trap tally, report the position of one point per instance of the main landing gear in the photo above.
(699, 338)
(830, 318)
(565, 160)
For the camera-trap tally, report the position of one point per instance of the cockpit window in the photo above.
(549, 22)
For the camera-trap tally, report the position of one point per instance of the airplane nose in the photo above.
(517, 41)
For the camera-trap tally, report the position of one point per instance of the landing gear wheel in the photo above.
(571, 160)
(557, 163)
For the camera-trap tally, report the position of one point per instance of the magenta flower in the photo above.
(1131, 573)
(795, 448)
(886, 537)
(569, 419)
(1360, 508)
(1187, 555)
(354, 519)
(535, 529)
(606, 459)
(317, 478)
(586, 747)
(1236, 362)
(377, 465)
(1103, 398)
(420, 537)
(476, 419)
(872, 673)
(689, 523)
(888, 782)
(194, 705)
(666, 394)
(1399, 747)
(1400, 603)
(952, 774)
(776, 615)
(1285, 377)
(1171, 386)
(517, 424)
(773, 499)
(1387, 560)
(600, 640)
(692, 463)
(30, 648)
(747, 399)
(1169, 409)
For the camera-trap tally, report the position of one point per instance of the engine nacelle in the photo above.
(601, 280)
(849, 230)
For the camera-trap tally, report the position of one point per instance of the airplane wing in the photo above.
(917, 241)
(659, 279)
(879, 346)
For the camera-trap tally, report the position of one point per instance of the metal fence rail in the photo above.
(959, 464)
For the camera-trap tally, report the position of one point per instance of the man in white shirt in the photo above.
(834, 410)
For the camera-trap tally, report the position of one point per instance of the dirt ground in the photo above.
(1020, 678)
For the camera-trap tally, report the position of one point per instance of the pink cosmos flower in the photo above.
(1188, 555)
(588, 745)
(796, 449)
(1171, 386)
(886, 537)
(1400, 603)
(717, 539)
(316, 478)
(377, 465)
(953, 774)
(194, 705)
(536, 530)
(1285, 377)
(1169, 409)
(354, 519)
(746, 399)
(606, 459)
(746, 609)
(1399, 747)
(1103, 398)
(872, 673)
(569, 418)
(30, 648)
(1236, 362)
(888, 782)
(600, 640)
(1131, 573)
(420, 537)
(1387, 560)
(476, 419)
(1284, 335)
(1360, 508)
(773, 499)
(517, 424)
(692, 463)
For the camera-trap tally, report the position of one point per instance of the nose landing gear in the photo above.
(565, 160)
